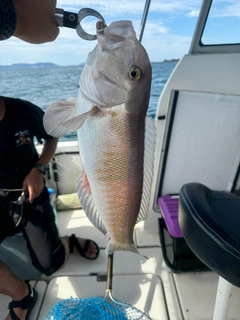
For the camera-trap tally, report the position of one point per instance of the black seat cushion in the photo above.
(210, 223)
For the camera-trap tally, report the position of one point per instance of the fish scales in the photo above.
(114, 167)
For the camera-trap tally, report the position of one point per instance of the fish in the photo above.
(116, 139)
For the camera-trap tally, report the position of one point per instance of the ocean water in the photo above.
(43, 86)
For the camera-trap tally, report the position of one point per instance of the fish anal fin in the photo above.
(89, 206)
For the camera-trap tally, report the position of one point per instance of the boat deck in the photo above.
(145, 283)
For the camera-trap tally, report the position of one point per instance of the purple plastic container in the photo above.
(169, 208)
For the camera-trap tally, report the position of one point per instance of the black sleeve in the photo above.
(36, 120)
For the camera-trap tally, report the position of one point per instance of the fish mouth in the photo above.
(100, 26)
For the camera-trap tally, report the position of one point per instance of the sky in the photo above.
(168, 31)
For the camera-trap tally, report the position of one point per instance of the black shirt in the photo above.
(22, 122)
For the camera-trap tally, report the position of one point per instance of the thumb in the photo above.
(25, 187)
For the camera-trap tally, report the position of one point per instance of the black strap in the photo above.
(13, 213)
(8, 19)
(25, 302)
(72, 240)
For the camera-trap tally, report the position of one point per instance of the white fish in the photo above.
(116, 139)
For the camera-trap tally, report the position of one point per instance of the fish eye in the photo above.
(135, 73)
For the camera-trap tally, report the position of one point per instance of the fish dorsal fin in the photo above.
(149, 149)
(56, 114)
(89, 206)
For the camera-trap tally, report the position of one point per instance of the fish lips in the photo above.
(110, 38)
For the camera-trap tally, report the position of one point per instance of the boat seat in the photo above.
(194, 148)
(214, 217)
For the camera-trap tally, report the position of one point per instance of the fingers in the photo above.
(34, 190)
(35, 21)
(30, 195)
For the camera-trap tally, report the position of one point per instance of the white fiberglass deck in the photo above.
(147, 284)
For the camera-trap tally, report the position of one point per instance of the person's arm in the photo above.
(33, 182)
(34, 20)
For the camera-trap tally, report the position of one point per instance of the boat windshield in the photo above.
(223, 24)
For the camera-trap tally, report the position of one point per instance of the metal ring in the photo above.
(85, 12)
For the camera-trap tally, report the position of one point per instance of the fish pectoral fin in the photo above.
(149, 149)
(76, 122)
(88, 204)
(56, 114)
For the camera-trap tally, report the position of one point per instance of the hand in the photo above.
(35, 20)
(33, 183)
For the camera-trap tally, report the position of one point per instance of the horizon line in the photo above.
(71, 65)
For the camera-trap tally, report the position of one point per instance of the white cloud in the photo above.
(175, 6)
(226, 9)
(161, 46)
(160, 37)
(193, 13)
(134, 7)
(63, 51)
(109, 8)
(155, 28)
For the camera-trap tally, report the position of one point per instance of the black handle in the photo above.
(65, 18)
(70, 19)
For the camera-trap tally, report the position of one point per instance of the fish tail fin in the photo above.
(117, 246)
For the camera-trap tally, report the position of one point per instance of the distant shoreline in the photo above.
(171, 60)
(43, 65)
(29, 65)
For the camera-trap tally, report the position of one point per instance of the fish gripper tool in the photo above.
(73, 21)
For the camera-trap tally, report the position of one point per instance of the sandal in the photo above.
(73, 242)
(27, 302)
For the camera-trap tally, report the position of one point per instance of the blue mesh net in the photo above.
(91, 309)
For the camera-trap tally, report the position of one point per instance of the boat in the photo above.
(197, 137)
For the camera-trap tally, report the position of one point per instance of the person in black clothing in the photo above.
(22, 168)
